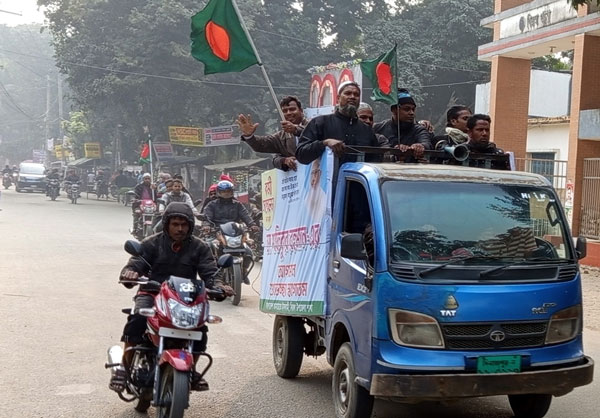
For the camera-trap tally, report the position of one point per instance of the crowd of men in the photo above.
(352, 123)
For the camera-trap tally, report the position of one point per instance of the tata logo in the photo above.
(497, 336)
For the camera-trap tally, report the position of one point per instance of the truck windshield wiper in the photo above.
(534, 260)
(458, 260)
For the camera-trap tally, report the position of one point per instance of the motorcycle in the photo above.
(232, 239)
(72, 190)
(53, 188)
(162, 365)
(101, 188)
(6, 180)
(146, 211)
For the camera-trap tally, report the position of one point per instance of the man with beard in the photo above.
(283, 143)
(401, 130)
(338, 130)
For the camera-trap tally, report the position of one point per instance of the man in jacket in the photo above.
(478, 129)
(284, 142)
(227, 209)
(338, 130)
(143, 191)
(173, 252)
(412, 135)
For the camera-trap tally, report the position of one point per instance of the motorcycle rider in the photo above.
(52, 176)
(7, 170)
(227, 209)
(143, 191)
(70, 179)
(173, 252)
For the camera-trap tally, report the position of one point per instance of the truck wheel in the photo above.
(288, 345)
(350, 400)
(530, 406)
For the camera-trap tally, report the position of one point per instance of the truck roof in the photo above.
(450, 173)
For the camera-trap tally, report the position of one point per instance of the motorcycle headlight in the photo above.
(183, 316)
(414, 329)
(148, 209)
(564, 325)
(234, 242)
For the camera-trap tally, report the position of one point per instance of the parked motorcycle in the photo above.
(232, 239)
(146, 211)
(72, 190)
(162, 365)
(53, 188)
(6, 180)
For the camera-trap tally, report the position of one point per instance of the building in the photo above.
(526, 29)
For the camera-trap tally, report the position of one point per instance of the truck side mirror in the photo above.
(353, 247)
(581, 247)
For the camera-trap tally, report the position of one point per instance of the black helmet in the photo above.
(180, 210)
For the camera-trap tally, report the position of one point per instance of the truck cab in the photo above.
(445, 282)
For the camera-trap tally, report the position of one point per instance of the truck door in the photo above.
(349, 286)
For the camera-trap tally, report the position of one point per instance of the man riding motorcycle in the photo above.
(143, 191)
(227, 209)
(173, 252)
(53, 175)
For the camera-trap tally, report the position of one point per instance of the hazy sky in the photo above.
(28, 8)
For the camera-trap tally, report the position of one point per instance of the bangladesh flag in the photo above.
(218, 39)
(382, 73)
(145, 154)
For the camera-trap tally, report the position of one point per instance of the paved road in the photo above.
(60, 308)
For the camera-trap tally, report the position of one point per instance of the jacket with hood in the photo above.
(221, 211)
(194, 258)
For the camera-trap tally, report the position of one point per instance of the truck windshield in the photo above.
(439, 222)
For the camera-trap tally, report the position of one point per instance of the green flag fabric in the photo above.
(219, 41)
(382, 73)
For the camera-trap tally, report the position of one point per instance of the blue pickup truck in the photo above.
(443, 283)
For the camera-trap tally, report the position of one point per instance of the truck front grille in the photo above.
(494, 336)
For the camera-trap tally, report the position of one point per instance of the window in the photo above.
(356, 211)
(543, 163)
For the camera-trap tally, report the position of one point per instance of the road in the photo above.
(60, 304)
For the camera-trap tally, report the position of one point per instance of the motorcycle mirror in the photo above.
(225, 261)
(133, 247)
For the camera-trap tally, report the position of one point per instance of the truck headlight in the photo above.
(183, 316)
(414, 329)
(564, 325)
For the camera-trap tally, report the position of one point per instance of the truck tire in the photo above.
(288, 345)
(530, 406)
(350, 400)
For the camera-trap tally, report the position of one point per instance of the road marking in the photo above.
(69, 390)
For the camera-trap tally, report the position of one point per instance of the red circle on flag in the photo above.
(384, 77)
(218, 40)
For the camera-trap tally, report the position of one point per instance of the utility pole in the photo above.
(47, 115)
(60, 106)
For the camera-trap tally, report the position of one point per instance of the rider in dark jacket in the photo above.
(226, 208)
(173, 252)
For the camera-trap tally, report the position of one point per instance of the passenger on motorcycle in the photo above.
(53, 175)
(212, 195)
(178, 195)
(173, 252)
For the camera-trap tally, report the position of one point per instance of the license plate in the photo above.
(498, 364)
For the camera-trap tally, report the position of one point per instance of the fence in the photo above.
(590, 199)
(554, 170)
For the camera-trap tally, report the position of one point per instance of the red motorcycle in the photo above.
(146, 210)
(162, 366)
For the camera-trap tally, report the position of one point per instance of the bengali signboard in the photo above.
(163, 150)
(296, 236)
(39, 156)
(58, 151)
(186, 136)
(92, 150)
(221, 135)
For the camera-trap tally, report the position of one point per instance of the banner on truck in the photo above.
(296, 235)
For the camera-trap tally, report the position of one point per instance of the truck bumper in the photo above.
(556, 381)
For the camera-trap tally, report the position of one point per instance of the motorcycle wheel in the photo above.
(53, 196)
(174, 393)
(236, 279)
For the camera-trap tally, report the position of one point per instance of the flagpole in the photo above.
(396, 92)
(260, 64)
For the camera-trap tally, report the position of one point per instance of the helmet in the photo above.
(212, 188)
(225, 189)
(181, 210)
